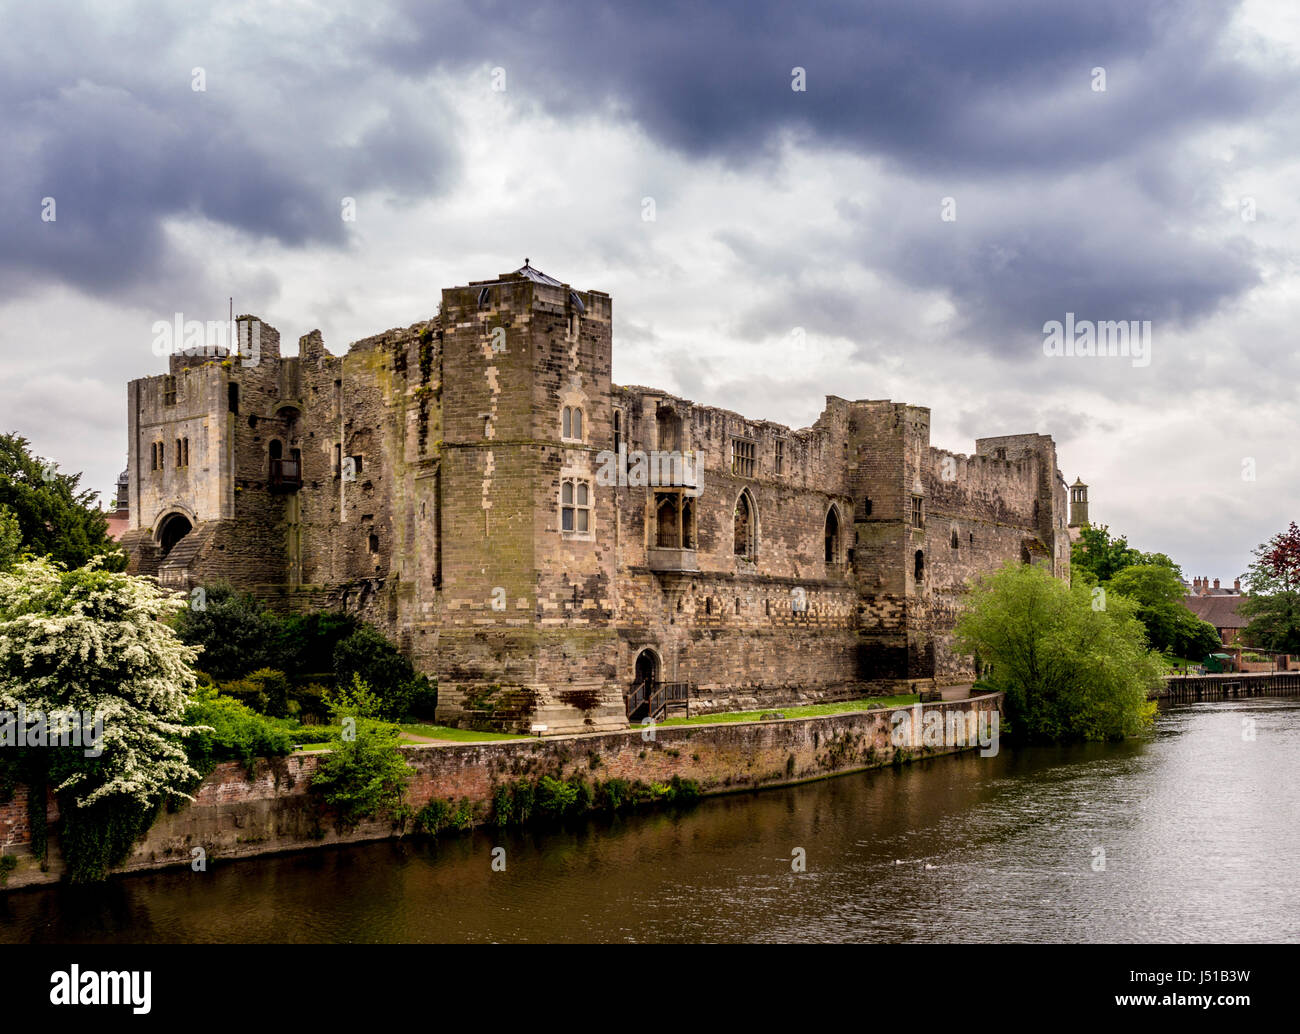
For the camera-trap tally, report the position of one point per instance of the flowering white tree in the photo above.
(94, 643)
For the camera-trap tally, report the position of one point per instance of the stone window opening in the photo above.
(575, 505)
(668, 426)
(737, 604)
(832, 536)
(918, 512)
(618, 430)
(373, 543)
(571, 423)
(918, 569)
(866, 506)
(778, 456)
(742, 458)
(955, 539)
(744, 528)
(182, 452)
(232, 397)
(169, 390)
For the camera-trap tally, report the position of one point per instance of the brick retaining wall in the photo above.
(236, 815)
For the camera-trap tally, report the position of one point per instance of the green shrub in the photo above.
(8, 863)
(238, 733)
(364, 775)
(403, 692)
(233, 629)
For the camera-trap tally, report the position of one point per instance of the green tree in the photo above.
(11, 537)
(55, 518)
(1070, 668)
(1103, 557)
(366, 773)
(93, 642)
(234, 633)
(367, 655)
(1273, 605)
(1171, 627)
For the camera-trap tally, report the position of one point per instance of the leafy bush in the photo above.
(403, 692)
(233, 630)
(306, 642)
(364, 775)
(552, 799)
(97, 642)
(235, 732)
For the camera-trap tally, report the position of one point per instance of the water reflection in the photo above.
(1196, 827)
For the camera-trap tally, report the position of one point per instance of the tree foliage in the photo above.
(55, 517)
(93, 642)
(1171, 626)
(1273, 606)
(365, 774)
(1103, 557)
(1069, 669)
(234, 634)
(11, 537)
(367, 655)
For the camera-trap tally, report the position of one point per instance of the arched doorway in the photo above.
(645, 674)
(174, 528)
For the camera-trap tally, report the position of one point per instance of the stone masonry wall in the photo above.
(235, 815)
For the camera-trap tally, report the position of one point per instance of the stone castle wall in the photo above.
(450, 539)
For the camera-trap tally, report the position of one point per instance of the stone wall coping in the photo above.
(577, 737)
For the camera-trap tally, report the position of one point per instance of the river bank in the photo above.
(239, 813)
(1183, 836)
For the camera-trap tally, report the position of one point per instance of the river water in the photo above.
(1191, 834)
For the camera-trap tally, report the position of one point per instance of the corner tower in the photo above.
(528, 562)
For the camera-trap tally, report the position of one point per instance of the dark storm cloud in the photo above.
(991, 97)
(302, 110)
(101, 116)
(959, 84)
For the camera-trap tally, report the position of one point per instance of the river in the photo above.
(1191, 834)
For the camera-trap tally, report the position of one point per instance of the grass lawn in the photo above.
(443, 732)
(317, 737)
(802, 711)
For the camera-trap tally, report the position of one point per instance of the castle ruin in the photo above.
(555, 548)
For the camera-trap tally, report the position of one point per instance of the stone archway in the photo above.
(646, 672)
(174, 527)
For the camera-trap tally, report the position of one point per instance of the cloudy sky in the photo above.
(802, 241)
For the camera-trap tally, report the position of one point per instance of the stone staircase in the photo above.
(174, 568)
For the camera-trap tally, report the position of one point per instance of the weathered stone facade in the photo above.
(456, 484)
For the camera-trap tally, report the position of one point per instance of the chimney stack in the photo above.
(1216, 583)
(1236, 585)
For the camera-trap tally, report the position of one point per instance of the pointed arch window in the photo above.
(832, 536)
(746, 524)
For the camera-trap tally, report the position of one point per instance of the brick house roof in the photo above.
(1220, 611)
